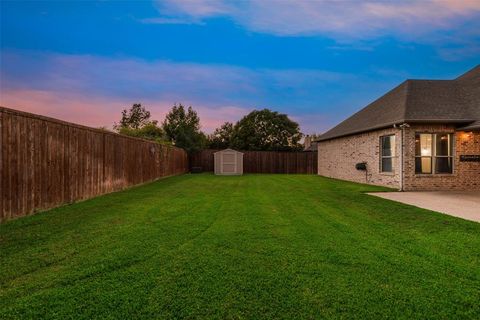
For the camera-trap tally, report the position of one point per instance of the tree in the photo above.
(266, 130)
(134, 118)
(149, 131)
(104, 128)
(182, 128)
(136, 123)
(314, 136)
(221, 137)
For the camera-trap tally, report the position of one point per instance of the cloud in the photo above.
(188, 12)
(196, 8)
(93, 90)
(72, 107)
(341, 20)
(100, 111)
(162, 20)
(460, 52)
(450, 27)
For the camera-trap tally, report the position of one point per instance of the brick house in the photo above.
(422, 135)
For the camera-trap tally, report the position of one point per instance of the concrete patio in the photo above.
(462, 204)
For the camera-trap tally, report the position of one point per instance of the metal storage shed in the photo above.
(228, 162)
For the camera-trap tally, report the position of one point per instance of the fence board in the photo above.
(264, 161)
(1, 162)
(46, 162)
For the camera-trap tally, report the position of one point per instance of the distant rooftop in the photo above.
(454, 101)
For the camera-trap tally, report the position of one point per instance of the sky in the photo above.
(317, 61)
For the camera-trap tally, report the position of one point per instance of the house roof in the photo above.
(473, 126)
(424, 101)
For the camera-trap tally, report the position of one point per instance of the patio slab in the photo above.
(462, 204)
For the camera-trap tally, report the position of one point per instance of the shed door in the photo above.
(229, 162)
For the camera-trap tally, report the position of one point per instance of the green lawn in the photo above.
(255, 246)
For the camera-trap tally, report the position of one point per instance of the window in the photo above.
(423, 153)
(443, 153)
(387, 153)
(433, 153)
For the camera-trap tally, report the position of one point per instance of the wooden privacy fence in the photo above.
(264, 161)
(45, 162)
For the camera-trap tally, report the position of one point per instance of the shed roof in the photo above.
(424, 101)
(228, 149)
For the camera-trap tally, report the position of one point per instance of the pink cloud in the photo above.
(97, 111)
(89, 111)
(212, 119)
(93, 90)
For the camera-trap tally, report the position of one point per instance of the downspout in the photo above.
(402, 154)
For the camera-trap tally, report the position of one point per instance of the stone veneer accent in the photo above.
(337, 159)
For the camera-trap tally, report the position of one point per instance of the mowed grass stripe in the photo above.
(254, 246)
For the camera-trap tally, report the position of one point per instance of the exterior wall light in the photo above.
(467, 135)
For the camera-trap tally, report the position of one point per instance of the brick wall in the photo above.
(466, 175)
(337, 158)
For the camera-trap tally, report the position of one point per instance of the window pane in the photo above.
(423, 144)
(387, 164)
(443, 144)
(388, 146)
(443, 165)
(423, 165)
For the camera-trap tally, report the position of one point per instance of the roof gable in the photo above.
(447, 101)
(387, 110)
(436, 100)
(229, 150)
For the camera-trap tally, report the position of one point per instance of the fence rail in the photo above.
(264, 161)
(46, 162)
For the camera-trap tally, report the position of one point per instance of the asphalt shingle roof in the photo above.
(421, 101)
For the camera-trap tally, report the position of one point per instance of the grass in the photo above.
(255, 246)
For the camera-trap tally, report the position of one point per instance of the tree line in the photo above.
(260, 130)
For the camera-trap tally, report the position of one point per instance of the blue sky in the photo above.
(317, 61)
